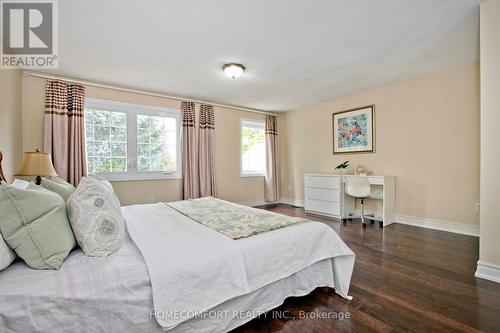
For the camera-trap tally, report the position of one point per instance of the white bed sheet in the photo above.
(194, 268)
(114, 295)
(87, 294)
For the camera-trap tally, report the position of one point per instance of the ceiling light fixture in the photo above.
(233, 70)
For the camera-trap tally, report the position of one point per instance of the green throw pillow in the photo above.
(34, 223)
(61, 187)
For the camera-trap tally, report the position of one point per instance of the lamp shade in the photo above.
(37, 164)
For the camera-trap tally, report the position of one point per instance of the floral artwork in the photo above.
(353, 130)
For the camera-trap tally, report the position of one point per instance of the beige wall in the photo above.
(10, 120)
(227, 161)
(427, 135)
(489, 251)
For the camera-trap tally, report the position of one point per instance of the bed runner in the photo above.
(230, 219)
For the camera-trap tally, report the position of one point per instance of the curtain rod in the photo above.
(141, 92)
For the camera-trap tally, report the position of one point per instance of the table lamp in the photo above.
(37, 164)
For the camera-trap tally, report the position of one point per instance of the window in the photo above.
(156, 143)
(253, 149)
(131, 142)
(106, 134)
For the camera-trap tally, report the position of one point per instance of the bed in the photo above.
(174, 274)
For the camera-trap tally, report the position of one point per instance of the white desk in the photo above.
(324, 195)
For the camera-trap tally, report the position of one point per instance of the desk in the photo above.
(324, 195)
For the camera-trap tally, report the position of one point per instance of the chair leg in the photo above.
(363, 213)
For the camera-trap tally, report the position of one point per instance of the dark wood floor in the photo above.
(406, 279)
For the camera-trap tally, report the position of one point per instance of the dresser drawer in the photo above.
(322, 207)
(322, 194)
(332, 183)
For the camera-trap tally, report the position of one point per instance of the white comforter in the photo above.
(193, 268)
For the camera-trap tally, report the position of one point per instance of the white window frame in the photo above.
(248, 174)
(132, 110)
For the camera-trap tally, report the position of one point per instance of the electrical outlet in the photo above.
(289, 188)
(478, 207)
(151, 198)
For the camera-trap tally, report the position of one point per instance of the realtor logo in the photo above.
(29, 38)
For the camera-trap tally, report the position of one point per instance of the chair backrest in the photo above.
(358, 187)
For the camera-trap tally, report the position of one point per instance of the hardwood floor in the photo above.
(406, 279)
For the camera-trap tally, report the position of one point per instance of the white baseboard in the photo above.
(255, 203)
(292, 202)
(286, 201)
(422, 222)
(457, 228)
(488, 271)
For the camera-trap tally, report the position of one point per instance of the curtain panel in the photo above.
(64, 129)
(190, 176)
(271, 181)
(207, 150)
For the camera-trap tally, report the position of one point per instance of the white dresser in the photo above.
(324, 195)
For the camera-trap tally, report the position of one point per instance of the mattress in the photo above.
(113, 294)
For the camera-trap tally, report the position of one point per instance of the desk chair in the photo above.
(359, 187)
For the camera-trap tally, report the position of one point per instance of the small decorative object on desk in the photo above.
(343, 167)
(360, 170)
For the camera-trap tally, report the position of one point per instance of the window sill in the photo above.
(250, 175)
(137, 177)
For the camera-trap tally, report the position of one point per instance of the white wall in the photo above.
(489, 249)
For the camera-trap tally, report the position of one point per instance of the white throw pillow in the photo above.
(7, 256)
(20, 184)
(95, 215)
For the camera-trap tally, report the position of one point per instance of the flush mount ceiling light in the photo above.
(233, 70)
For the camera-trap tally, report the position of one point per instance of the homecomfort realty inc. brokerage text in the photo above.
(274, 314)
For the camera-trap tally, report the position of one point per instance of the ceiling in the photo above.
(296, 52)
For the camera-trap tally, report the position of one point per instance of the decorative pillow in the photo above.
(95, 215)
(61, 187)
(35, 225)
(7, 256)
(21, 184)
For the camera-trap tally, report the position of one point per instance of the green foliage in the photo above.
(342, 165)
(106, 135)
(251, 136)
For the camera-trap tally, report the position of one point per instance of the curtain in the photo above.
(190, 176)
(64, 129)
(207, 150)
(271, 181)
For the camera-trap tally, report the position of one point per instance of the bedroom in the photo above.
(425, 75)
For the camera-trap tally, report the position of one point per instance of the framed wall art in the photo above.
(354, 130)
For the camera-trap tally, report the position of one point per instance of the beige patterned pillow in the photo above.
(95, 215)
